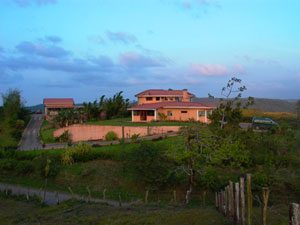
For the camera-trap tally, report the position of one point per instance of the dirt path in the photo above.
(52, 197)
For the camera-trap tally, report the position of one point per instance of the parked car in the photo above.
(261, 123)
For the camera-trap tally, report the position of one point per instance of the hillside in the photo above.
(263, 104)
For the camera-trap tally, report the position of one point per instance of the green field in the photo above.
(47, 134)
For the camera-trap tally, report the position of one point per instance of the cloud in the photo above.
(96, 39)
(25, 3)
(209, 70)
(121, 37)
(53, 39)
(215, 70)
(135, 60)
(260, 61)
(187, 4)
(102, 61)
(40, 50)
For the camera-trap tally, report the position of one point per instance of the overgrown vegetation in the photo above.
(13, 119)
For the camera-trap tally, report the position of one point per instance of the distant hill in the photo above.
(39, 107)
(263, 104)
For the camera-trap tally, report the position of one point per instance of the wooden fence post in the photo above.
(216, 199)
(294, 214)
(70, 189)
(120, 200)
(226, 201)
(104, 194)
(40, 197)
(265, 198)
(57, 198)
(174, 195)
(242, 190)
(249, 196)
(146, 197)
(237, 203)
(231, 202)
(27, 195)
(89, 191)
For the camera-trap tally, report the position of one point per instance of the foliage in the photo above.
(64, 137)
(111, 136)
(149, 163)
(134, 137)
(115, 107)
(67, 117)
(48, 166)
(80, 153)
(24, 167)
(229, 110)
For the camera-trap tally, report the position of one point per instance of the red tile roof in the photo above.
(161, 92)
(153, 106)
(59, 101)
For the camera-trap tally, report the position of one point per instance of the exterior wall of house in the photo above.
(138, 119)
(191, 113)
(79, 132)
(143, 100)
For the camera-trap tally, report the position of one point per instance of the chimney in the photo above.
(185, 97)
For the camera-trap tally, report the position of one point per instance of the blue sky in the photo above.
(86, 48)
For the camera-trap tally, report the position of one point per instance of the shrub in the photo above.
(8, 164)
(149, 163)
(111, 136)
(134, 137)
(79, 153)
(64, 137)
(47, 165)
(162, 116)
(24, 167)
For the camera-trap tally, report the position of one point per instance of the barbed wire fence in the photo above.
(236, 202)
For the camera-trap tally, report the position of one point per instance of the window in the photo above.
(136, 113)
(148, 98)
(164, 98)
(157, 98)
(169, 113)
(183, 111)
(201, 113)
(150, 113)
(171, 98)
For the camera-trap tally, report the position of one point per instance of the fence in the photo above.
(236, 202)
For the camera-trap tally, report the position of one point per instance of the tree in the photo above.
(115, 107)
(195, 154)
(298, 109)
(229, 110)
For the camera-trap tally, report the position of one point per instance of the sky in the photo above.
(84, 49)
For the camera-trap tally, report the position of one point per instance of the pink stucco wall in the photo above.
(79, 132)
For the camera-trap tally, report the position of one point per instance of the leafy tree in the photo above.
(115, 107)
(229, 110)
(149, 163)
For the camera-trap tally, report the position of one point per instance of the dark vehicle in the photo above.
(261, 123)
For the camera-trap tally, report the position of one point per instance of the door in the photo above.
(143, 115)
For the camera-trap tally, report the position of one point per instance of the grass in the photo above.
(46, 134)
(14, 211)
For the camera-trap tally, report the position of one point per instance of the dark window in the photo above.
(171, 98)
(183, 111)
(176, 99)
(148, 98)
(201, 113)
(157, 98)
(136, 113)
(169, 113)
(150, 113)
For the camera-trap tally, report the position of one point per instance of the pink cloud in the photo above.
(238, 69)
(209, 69)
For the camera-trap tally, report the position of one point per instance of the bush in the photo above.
(111, 136)
(79, 153)
(8, 165)
(24, 167)
(134, 137)
(64, 137)
(149, 163)
(47, 165)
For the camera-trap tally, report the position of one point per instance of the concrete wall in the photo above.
(177, 115)
(79, 132)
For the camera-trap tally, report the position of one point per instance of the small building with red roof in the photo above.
(54, 105)
(176, 105)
